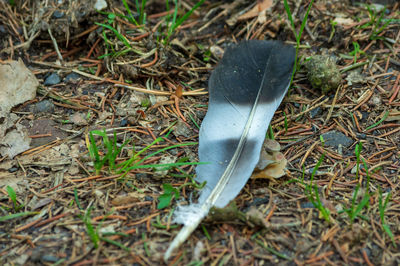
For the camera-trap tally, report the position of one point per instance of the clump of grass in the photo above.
(91, 231)
(158, 223)
(377, 22)
(110, 150)
(311, 190)
(140, 10)
(356, 52)
(333, 30)
(13, 196)
(109, 146)
(134, 162)
(16, 207)
(95, 235)
(109, 45)
(173, 22)
(355, 208)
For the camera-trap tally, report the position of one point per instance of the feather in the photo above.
(245, 89)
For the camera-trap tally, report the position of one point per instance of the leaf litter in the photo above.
(156, 88)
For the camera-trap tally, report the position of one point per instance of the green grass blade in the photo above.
(12, 195)
(174, 16)
(115, 243)
(77, 199)
(93, 151)
(273, 251)
(124, 165)
(389, 233)
(142, 16)
(290, 17)
(94, 237)
(119, 35)
(321, 159)
(379, 122)
(176, 22)
(15, 215)
(130, 15)
(303, 23)
(167, 148)
(184, 17)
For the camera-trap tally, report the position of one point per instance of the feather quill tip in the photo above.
(190, 216)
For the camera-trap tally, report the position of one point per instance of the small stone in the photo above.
(45, 106)
(217, 51)
(314, 128)
(141, 176)
(49, 258)
(364, 116)
(315, 112)
(307, 205)
(181, 129)
(21, 259)
(78, 119)
(354, 169)
(258, 201)
(148, 198)
(13, 169)
(123, 123)
(53, 79)
(100, 5)
(376, 100)
(162, 171)
(335, 138)
(58, 14)
(323, 73)
(72, 78)
(98, 193)
(355, 77)
(361, 135)
(390, 77)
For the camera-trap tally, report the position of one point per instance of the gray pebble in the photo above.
(307, 205)
(72, 77)
(49, 258)
(335, 138)
(315, 112)
(58, 14)
(53, 79)
(45, 106)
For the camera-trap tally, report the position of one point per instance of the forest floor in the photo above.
(76, 195)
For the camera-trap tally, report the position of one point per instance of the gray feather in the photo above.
(245, 90)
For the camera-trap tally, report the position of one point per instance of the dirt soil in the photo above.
(101, 71)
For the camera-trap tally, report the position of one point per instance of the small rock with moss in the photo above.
(323, 73)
